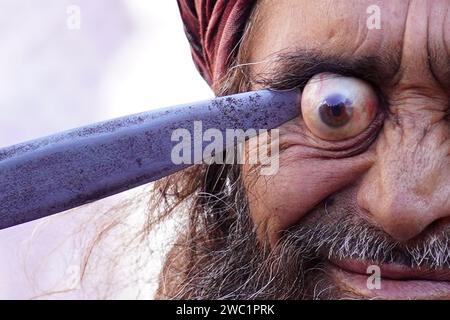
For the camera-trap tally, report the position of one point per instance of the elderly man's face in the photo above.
(369, 174)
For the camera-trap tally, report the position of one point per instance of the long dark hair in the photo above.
(209, 195)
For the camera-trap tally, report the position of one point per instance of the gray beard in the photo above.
(238, 266)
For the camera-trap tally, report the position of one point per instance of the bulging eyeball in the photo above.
(335, 107)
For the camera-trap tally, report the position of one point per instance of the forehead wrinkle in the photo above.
(446, 32)
(423, 59)
(438, 59)
(439, 52)
(388, 42)
(439, 65)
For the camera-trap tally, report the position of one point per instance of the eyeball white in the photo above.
(335, 107)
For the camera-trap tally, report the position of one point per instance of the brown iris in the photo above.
(335, 111)
(335, 107)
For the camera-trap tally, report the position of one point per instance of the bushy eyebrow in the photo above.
(294, 69)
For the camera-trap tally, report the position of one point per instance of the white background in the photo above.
(129, 56)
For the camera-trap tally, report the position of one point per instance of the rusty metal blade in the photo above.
(66, 170)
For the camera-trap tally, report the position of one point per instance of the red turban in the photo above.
(214, 28)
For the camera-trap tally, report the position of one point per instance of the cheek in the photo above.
(277, 202)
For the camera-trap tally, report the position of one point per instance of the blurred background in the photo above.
(70, 63)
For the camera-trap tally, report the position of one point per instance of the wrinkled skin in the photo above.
(400, 183)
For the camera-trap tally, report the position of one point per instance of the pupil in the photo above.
(335, 111)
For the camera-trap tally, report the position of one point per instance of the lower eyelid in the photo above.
(299, 135)
(367, 136)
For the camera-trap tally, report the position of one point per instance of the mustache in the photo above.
(343, 234)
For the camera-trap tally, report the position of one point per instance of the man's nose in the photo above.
(408, 187)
